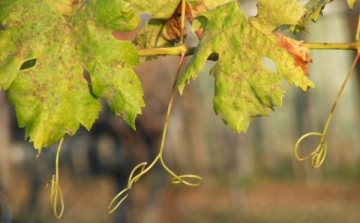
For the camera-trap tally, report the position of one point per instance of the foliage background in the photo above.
(248, 178)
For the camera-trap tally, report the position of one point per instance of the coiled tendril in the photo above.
(177, 179)
(120, 197)
(319, 154)
(55, 190)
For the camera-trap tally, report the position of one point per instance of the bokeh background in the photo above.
(248, 178)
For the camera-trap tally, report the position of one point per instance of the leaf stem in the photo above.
(177, 50)
(333, 46)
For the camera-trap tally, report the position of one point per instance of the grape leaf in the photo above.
(115, 14)
(53, 98)
(244, 88)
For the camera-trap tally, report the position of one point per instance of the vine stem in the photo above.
(177, 50)
(188, 51)
(332, 46)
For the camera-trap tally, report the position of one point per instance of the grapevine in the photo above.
(47, 45)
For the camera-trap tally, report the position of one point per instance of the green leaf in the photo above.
(53, 98)
(244, 87)
(116, 15)
(110, 64)
(5, 9)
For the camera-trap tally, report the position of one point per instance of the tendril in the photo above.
(56, 195)
(181, 179)
(319, 154)
(122, 195)
(177, 179)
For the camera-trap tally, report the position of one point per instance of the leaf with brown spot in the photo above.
(45, 47)
(244, 87)
(295, 49)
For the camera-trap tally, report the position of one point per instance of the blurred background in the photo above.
(249, 178)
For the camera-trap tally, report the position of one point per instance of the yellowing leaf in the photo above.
(244, 87)
(294, 48)
(64, 37)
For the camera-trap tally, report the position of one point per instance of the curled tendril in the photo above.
(56, 195)
(181, 179)
(318, 155)
(120, 197)
(177, 179)
(137, 176)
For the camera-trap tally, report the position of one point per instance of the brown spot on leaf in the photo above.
(296, 50)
